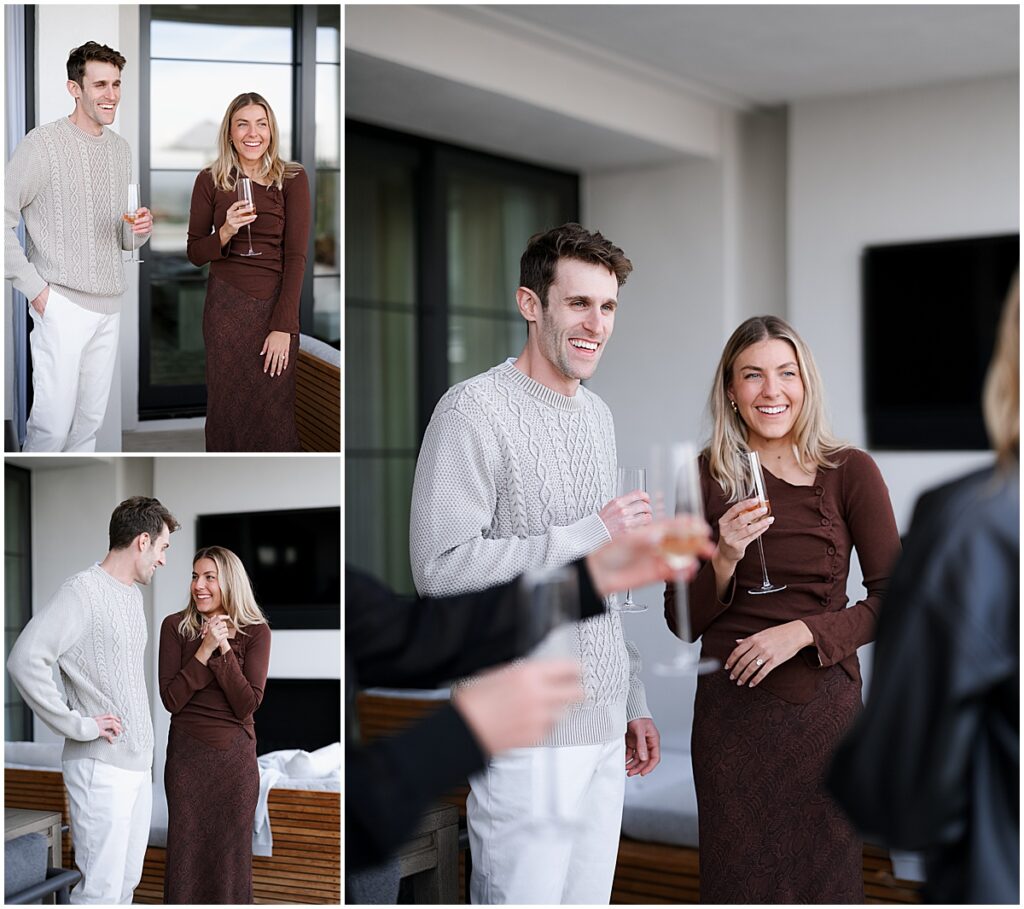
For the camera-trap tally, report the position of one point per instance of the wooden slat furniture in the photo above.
(645, 872)
(22, 821)
(431, 857)
(305, 866)
(317, 403)
(40, 790)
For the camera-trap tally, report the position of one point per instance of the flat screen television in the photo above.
(931, 311)
(293, 558)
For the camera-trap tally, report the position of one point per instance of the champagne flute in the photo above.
(677, 481)
(245, 195)
(758, 492)
(552, 608)
(630, 479)
(129, 216)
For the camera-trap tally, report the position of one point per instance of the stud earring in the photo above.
(735, 409)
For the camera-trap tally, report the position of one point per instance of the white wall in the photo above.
(669, 326)
(930, 163)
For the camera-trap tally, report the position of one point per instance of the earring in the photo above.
(735, 409)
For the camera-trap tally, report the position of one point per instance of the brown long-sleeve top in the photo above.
(280, 234)
(210, 702)
(808, 549)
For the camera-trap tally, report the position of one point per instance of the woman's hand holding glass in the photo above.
(238, 216)
(737, 529)
(275, 350)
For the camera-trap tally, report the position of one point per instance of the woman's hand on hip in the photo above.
(754, 657)
(275, 350)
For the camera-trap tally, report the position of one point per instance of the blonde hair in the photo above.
(236, 594)
(227, 168)
(1001, 396)
(814, 445)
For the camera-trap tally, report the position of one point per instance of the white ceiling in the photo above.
(767, 55)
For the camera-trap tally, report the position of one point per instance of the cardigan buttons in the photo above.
(825, 522)
(826, 600)
(831, 550)
(819, 491)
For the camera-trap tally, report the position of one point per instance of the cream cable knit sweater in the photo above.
(71, 188)
(94, 629)
(511, 476)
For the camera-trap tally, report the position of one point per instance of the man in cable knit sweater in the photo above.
(517, 471)
(69, 181)
(94, 631)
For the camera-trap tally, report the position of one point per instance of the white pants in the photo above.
(517, 857)
(110, 810)
(73, 357)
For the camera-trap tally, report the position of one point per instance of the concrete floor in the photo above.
(165, 440)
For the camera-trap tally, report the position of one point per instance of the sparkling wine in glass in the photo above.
(630, 480)
(676, 481)
(131, 211)
(552, 610)
(758, 492)
(245, 195)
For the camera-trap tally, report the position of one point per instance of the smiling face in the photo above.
(570, 333)
(206, 592)
(250, 132)
(768, 390)
(98, 96)
(152, 556)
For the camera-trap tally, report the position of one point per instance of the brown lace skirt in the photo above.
(769, 833)
(246, 408)
(211, 804)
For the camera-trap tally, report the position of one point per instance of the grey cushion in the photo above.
(318, 348)
(662, 806)
(24, 862)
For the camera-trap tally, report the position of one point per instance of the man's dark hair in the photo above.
(570, 241)
(139, 514)
(79, 56)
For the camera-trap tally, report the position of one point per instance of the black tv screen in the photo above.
(931, 311)
(293, 558)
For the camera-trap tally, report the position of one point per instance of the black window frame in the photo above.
(24, 477)
(432, 163)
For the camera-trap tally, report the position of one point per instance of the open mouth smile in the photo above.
(772, 411)
(583, 344)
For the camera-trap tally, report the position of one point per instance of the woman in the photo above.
(766, 724)
(251, 315)
(213, 668)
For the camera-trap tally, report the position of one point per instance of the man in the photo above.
(94, 630)
(69, 180)
(517, 471)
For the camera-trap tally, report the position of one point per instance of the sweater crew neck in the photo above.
(80, 133)
(508, 370)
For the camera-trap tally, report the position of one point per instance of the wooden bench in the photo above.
(306, 824)
(317, 403)
(645, 872)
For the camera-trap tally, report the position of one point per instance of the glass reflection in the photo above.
(177, 353)
(327, 310)
(216, 32)
(188, 101)
(328, 121)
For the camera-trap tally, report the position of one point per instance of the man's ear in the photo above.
(528, 303)
(143, 541)
(74, 89)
